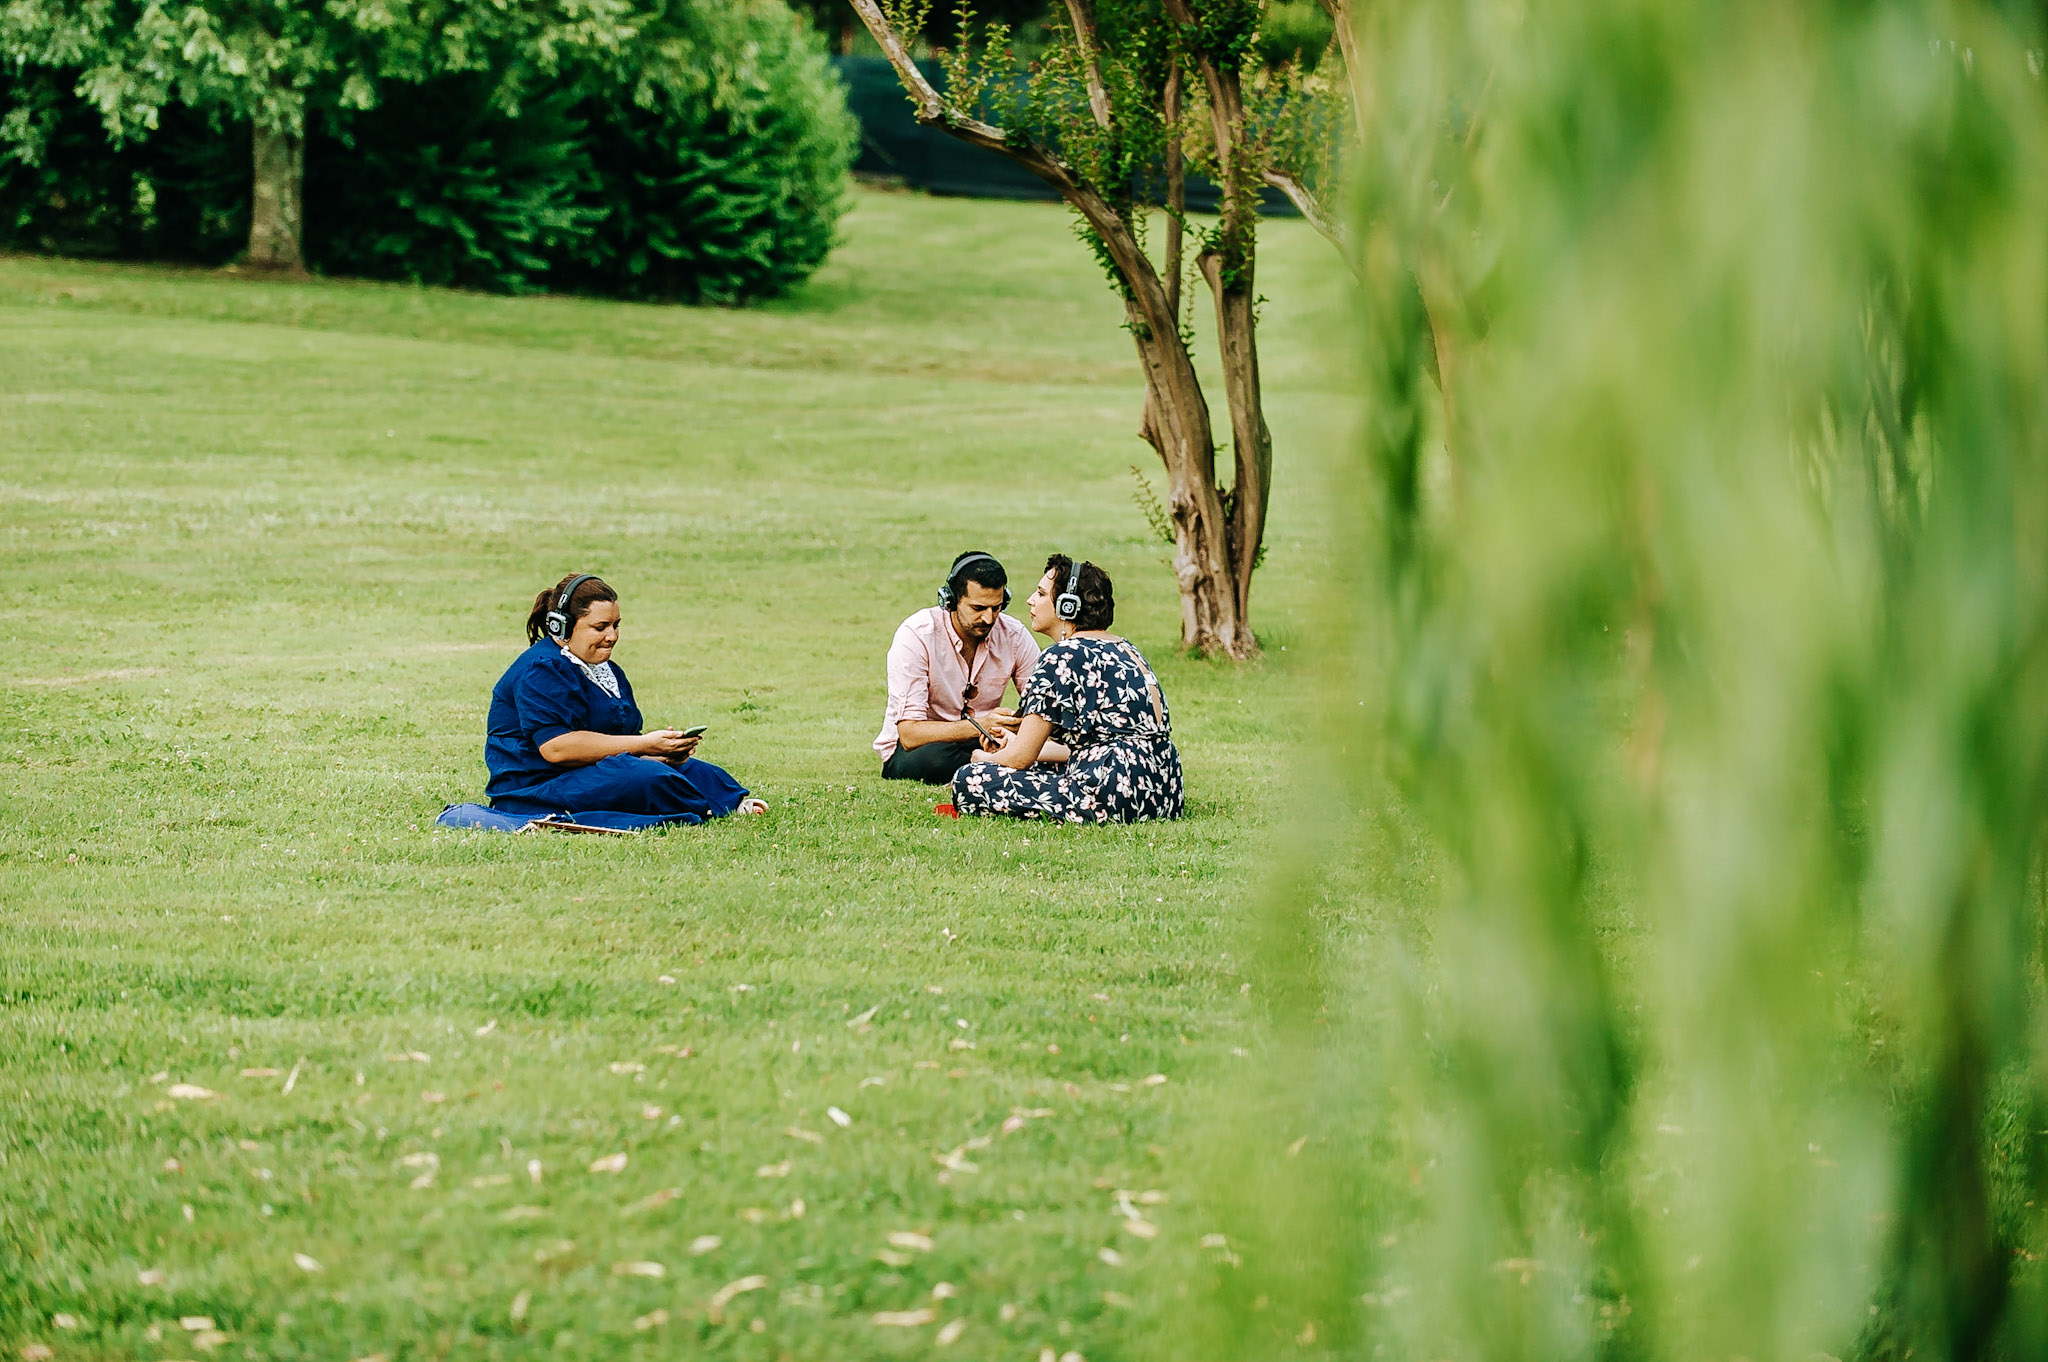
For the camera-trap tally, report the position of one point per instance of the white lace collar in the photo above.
(602, 676)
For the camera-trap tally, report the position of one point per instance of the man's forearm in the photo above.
(917, 732)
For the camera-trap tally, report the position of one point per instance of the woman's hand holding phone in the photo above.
(668, 744)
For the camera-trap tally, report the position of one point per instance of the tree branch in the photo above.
(1083, 17)
(933, 110)
(1226, 104)
(1309, 206)
(932, 107)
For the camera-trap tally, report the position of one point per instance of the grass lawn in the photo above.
(741, 1090)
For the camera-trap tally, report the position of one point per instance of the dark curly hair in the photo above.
(1098, 596)
(985, 573)
(586, 595)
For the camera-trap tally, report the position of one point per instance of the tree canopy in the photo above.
(660, 148)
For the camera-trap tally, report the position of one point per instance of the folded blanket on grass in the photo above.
(594, 820)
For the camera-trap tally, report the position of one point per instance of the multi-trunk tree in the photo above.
(1129, 95)
(270, 65)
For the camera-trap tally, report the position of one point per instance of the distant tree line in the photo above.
(671, 149)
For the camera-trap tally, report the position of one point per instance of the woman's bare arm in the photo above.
(1025, 744)
(583, 748)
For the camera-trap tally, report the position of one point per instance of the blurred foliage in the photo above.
(1294, 31)
(1698, 722)
(705, 163)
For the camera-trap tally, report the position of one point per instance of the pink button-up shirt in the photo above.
(928, 670)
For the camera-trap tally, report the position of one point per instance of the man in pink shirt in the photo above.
(948, 663)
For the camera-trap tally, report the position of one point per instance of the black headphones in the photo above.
(557, 620)
(1067, 605)
(949, 595)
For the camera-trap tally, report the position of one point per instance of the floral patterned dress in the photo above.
(1098, 693)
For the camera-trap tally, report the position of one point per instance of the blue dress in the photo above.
(1097, 693)
(543, 695)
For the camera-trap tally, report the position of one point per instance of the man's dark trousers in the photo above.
(934, 763)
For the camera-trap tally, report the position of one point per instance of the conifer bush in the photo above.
(724, 181)
(439, 185)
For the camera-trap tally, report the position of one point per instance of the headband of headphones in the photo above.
(557, 620)
(1067, 605)
(949, 591)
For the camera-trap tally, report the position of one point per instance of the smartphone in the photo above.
(695, 730)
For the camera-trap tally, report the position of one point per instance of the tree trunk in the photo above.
(277, 202)
(1176, 424)
(1176, 188)
(1228, 267)
(1251, 440)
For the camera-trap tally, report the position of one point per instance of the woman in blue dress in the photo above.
(1092, 692)
(563, 736)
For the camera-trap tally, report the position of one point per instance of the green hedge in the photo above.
(751, 208)
(437, 185)
(718, 177)
(66, 190)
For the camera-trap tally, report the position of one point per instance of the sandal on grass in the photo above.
(945, 811)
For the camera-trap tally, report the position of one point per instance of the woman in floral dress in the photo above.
(1093, 696)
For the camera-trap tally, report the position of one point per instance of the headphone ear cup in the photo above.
(1067, 605)
(558, 622)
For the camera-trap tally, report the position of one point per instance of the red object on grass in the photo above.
(945, 811)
